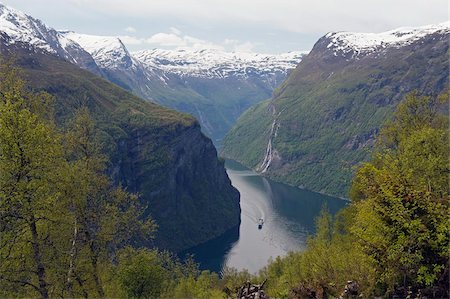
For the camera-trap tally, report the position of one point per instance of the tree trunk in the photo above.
(97, 281)
(38, 259)
(94, 263)
(73, 252)
(81, 284)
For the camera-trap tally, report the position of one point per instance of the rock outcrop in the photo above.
(252, 291)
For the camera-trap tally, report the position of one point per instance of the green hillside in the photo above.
(328, 112)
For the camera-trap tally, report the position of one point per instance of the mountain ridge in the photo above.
(366, 43)
(17, 26)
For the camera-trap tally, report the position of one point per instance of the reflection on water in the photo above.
(211, 255)
(288, 214)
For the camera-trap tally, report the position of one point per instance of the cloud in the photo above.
(291, 15)
(280, 25)
(244, 47)
(166, 40)
(238, 46)
(175, 31)
(176, 39)
(228, 41)
(131, 40)
(130, 29)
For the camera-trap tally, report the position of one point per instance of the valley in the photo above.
(289, 217)
(203, 168)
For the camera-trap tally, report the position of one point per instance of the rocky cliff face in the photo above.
(323, 119)
(190, 195)
(154, 151)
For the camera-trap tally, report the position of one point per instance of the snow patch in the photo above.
(365, 43)
(209, 63)
(23, 28)
(107, 51)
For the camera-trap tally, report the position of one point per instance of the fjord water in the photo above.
(289, 216)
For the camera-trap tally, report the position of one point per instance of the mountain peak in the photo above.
(20, 27)
(107, 51)
(342, 43)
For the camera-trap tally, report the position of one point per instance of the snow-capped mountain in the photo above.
(214, 86)
(323, 121)
(107, 51)
(18, 28)
(209, 63)
(358, 44)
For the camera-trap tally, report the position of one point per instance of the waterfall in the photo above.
(269, 150)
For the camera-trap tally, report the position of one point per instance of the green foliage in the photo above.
(31, 165)
(203, 286)
(148, 149)
(141, 274)
(253, 129)
(61, 220)
(394, 237)
(144, 273)
(233, 279)
(402, 198)
(330, 260)
(65, 229)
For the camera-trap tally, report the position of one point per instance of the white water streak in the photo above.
(269, 150)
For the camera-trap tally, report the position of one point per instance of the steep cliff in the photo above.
(154, 151)
(323, 119)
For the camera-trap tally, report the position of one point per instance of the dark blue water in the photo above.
(289, 218)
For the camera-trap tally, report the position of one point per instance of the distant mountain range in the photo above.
(214, 86)
(323, 120)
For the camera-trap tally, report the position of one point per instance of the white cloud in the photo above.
(229, 41)
(130, 29)
(177, 40)
(244, 47)
(275, 25)
(238, 46)
(166, 40)
(131, 40)
(175, 30)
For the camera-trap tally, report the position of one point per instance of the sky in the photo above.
(262, 26)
